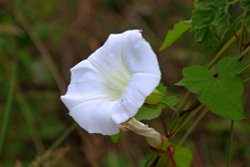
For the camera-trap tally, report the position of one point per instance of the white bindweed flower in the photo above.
(111, 85)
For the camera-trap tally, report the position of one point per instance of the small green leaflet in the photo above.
(221, 92)
(162, 88)
(175, 33)
(182, 156)
(149, 112)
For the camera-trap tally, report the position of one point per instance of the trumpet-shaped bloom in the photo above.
(111, 85)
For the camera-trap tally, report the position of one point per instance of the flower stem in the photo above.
(230, 144)
(183, 101)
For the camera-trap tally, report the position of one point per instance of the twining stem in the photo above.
(176, 118)
(183, 101)
(8, 107)
(164, 124)
(194, 124)
(180, 126)
(230, 145)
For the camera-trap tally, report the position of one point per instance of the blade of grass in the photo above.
(8, 107)
(38, 43)
(230, 145)
(61, 138)
(32, 128)
(56, 144)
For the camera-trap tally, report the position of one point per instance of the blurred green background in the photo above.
(41, 40)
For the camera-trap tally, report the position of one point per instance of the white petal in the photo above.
(94, 116)
(139, 56)
(140, 86)
(86, 84)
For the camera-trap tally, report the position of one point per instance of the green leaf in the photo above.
(115, 138)
(182, 156)
(211, 20)
(220, 92)
(149, 112)
(174, 34)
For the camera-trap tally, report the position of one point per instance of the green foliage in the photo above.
(149, 112)
(170, 102)
(115, 138)
(174, 34)
(154, 98)
(150, 160)
(220, 92)
(245, 5)
(162, 88)
(182, 156)
(211, 20)
(112, 159)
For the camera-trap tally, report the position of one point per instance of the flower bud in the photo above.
(153, 138)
